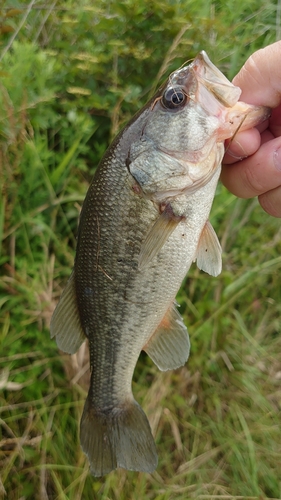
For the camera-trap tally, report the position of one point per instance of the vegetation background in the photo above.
(71, 75)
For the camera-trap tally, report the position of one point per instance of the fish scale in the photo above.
(143, 222)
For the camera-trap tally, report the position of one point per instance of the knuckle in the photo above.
(269, 203)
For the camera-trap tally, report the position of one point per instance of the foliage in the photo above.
(72, 74)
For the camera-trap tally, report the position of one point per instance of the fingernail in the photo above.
(277, 159)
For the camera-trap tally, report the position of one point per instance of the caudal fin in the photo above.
(120, 437)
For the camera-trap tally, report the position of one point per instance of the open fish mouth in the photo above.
(214, 80)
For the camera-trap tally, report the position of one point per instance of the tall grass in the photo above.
(65, 90)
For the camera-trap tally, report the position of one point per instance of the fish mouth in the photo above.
(219, 97)
(208, 75)
(205, 84)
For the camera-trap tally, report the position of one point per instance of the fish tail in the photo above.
(119, 437)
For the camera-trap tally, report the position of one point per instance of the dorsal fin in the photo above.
(65, 323)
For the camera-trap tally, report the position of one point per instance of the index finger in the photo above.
(244, 144)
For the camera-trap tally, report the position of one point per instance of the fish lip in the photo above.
(259, 113)
(202, 62)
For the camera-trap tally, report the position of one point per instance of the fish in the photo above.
(144, 221)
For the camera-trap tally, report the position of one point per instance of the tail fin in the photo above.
(120, 437)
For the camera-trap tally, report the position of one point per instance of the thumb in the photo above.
(260, 77)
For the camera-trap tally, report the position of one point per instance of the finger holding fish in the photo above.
(242, 145)
(257, 172)
(252, 166)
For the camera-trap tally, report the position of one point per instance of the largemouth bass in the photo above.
(144, 221)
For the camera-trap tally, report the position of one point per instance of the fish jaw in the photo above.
(242, 116)
(212, 79)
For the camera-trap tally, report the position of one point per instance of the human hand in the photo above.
(252, 163)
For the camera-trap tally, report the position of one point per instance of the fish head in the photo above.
(187, 114)
(196, 107)
(190, 117)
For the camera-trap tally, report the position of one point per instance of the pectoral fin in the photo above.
(65, 322)
(209, 251)
(158, 235)
(169, 346)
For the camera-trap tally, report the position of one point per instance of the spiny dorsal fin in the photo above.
(209, 251)
(169, 345)
(158, 235)
(65, 322)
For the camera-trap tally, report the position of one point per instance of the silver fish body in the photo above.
(144, 221)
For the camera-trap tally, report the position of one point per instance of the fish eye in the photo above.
(173, 98)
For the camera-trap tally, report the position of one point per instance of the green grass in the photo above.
(216, 420)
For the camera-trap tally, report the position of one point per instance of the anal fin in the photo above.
(65, 323)
(209, 251)
(169, 345)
